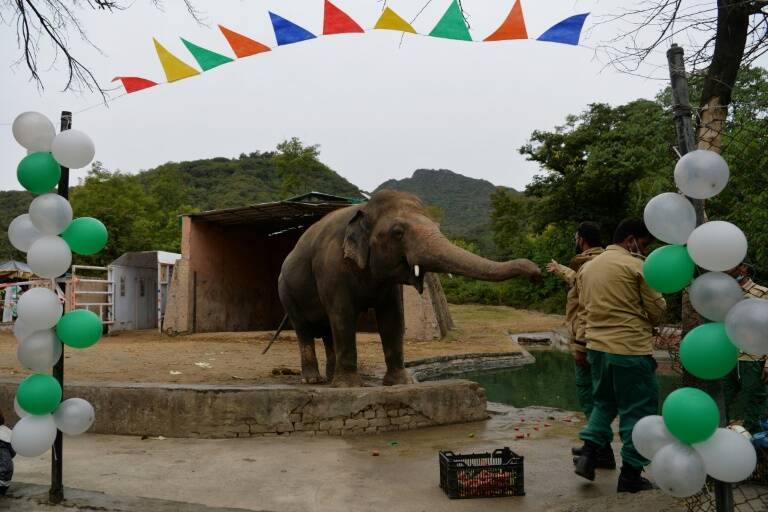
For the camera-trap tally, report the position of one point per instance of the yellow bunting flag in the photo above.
(390, 20)
(174, 67)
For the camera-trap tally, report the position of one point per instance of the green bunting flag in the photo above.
(452, 24)
(205, 58)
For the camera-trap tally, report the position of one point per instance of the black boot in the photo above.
(630, 480)
(605, 457)
(586, 462)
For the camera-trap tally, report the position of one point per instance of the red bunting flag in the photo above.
(241, 45)
(337, 21)
(134, 83)
(513, 27)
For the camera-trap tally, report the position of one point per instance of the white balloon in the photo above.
(713, 294)
(728, 456)
(17, 408)
(34, 131)
(50, 214)
(747, 326)
(40, 351)
(701, 174)
(49, 257)
(650, 435)
(33, 435)
(73, 149)
(22, 233)
(74, 416)
(39, 308)
(670, 217)
(717, 245)
(678, 470)
(22, 331)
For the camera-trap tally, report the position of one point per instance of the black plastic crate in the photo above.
(482, 475)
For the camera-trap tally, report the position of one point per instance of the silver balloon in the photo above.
(33, 435)
(747, 326)
(18, 410)
(39, 308)
(678, 470)
(728, 456)
(49, 257)
(22, 233)
(73, 149)
(717, 245)
(34, 131)
(40, 351)
(50, 214)
(22, 331)
(670, 217)
(74, 416)
(714, 294)
(701, 174)
(650, 435)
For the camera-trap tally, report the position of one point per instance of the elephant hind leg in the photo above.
(330, 357)
(310, 374)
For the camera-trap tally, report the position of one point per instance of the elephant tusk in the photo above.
(416, 270)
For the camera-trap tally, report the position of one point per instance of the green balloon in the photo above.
(79, 328)
(708, 353)
(669, 269)
(39, 394)
(85, 235)
(690, 415)
(39, 172)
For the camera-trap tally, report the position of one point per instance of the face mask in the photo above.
(637, 247)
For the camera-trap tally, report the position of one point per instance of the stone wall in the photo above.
(243, 411)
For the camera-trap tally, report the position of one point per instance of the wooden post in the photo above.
(56, 493)
(686, 141)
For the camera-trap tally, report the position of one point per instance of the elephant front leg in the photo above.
(310, 374)
(344, 328)
(389, 316)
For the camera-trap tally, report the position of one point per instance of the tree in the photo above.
(42, 24)
(298, 165)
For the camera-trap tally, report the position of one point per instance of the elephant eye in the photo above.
(398, 232)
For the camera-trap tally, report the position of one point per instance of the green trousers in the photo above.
(625, 386)
(584, 388)
(747, 381)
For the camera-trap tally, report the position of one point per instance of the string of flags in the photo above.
(335, 21)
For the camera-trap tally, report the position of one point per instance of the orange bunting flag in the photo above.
(134, 83)
(513, 27)
(390, 20)
(241, 45)
(175, 68)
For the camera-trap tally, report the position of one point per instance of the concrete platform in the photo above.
(204, 411)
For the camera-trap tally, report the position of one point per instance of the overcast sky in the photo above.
(378, 109)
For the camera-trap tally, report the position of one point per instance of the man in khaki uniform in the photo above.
(751, 374)
(588, 245)
(620, 310)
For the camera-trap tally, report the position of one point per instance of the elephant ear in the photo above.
(356, 239)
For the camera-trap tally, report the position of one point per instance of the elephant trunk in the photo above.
(435, 253)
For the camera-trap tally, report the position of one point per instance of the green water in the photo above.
(549, 382)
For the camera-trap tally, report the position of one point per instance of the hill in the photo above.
(465, 202)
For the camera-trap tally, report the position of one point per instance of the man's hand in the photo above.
(552, 266)
(580, 358)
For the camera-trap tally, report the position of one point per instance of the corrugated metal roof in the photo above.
(270, 217)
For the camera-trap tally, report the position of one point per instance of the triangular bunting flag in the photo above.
(513, 27)
(567, 31)
(336, 21)
(205, 58)
(452, 24)
(134, 83)
(287, 32)
(241, 45)
(174, 67)
(389, 20)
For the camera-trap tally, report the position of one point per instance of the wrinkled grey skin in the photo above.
(356, 258)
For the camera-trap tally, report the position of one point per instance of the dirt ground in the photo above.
(235, 358)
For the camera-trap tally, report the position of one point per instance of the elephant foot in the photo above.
(347, 380)
(398, 376)
(311, 377)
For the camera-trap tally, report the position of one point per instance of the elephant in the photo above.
(357, 258)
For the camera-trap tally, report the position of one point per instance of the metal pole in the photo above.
(56, 493)
(686, 141)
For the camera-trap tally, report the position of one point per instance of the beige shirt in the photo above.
(574, 321)
(619, 308)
